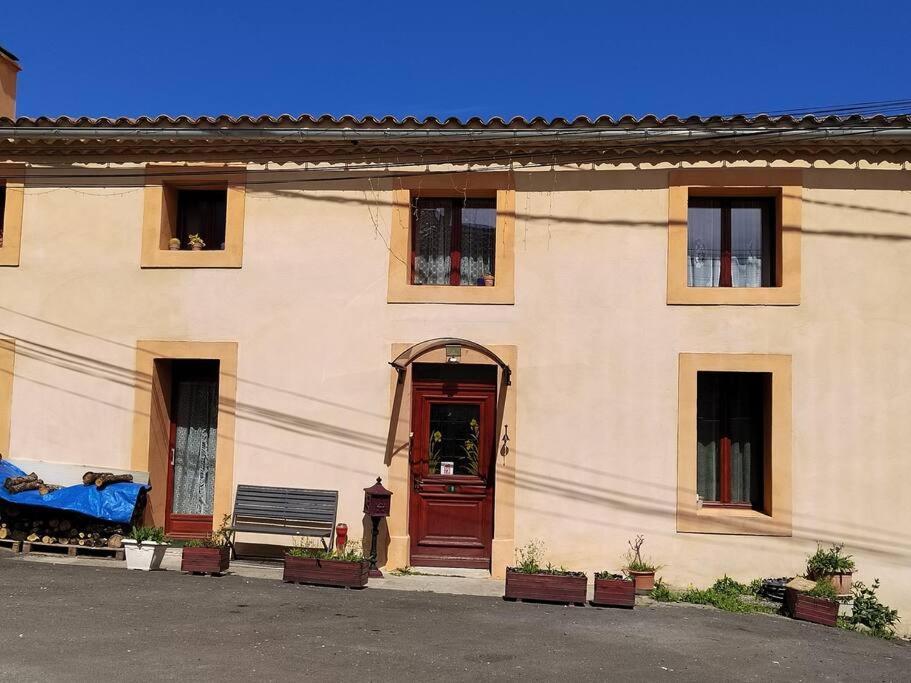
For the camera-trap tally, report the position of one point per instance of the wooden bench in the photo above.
(289, 512)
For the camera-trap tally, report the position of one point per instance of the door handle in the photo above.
(172, 457)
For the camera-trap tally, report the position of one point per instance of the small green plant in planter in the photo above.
(209, 555)
(347, 568)
(530, 580)
(174, 244)
(145, 547)
(829, 564)
(642, 571)
(196, 242)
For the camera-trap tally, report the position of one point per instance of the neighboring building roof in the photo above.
(7, 53)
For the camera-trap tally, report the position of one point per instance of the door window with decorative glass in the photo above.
(730, 242)
(453, 241)
(455, 432)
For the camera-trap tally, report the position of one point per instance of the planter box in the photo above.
(615, 593)
(842, 583)
(144, 557)
(806, 608)
(545, 587)
(644, 581)
(316, 572)
(205, 560)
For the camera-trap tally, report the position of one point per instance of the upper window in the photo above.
(454, 241)
(193, 217)
(200, 219)
(730, 425)
(730, 242)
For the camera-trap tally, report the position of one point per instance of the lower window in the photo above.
(453, 241)
(731, 426)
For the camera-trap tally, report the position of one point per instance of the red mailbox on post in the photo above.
(377, 502)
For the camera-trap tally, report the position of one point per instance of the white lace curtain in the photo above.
(435, 240)
(749, 225)
(194, 450)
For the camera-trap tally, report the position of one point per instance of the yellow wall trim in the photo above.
(785, 185)
(775, 520)
(147, 451)
(159, 213)
(12, 177)
(400, 289)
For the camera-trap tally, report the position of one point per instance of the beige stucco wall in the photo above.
(597, 345)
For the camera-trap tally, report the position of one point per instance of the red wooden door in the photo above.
(452, 473)
(191, 455)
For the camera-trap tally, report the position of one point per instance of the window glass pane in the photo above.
(703, 234)
(479, 220)
(455, 430)
(432, 242)
(750, 262)
(744, 407)
(194, 447)
(202, 212)
(708, 436)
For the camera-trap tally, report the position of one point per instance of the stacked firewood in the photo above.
(102, 479)
(29, 482)
(20, 525)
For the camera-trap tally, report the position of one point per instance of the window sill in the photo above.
(214, 258)
(730, 520)
(734, 296)
(450, 294)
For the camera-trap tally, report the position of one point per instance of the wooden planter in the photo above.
(615, 593)
(205, 560)
(545, 587)
(644, 581)
(313, 571)
(806, 608)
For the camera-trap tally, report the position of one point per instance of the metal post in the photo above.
(375, 572)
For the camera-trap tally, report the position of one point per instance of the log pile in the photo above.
(102, 479)
(29, 482)
(62, 529)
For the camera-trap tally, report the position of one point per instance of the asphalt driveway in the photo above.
(87, 623)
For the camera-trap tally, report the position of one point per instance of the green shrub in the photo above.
(146, 534)
(823, 589)
(728, 586)
(353, 551)
(870, 612)
(609, 575)
(829, 561)
(217, 539)
(634, 559)
(662, 593)
(528, 561)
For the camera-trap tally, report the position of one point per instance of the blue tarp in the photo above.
(113, 503)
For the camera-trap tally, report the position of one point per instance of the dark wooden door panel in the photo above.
(452, 473)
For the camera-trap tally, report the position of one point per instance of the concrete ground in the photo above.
(96, 621)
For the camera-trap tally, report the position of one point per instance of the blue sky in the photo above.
(462, 59)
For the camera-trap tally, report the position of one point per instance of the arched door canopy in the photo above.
(408, 356)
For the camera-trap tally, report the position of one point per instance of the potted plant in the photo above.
(830, 565)
(614, 590)
(196, 242)
(346, 568)
(210, 555)
(818, 605)
(174, 244)
(145, 548)
(528, 580)
(641, 571)
(488, 280)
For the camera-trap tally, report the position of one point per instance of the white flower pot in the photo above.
(146, 556)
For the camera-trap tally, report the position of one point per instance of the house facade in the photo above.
(573, 331)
